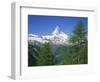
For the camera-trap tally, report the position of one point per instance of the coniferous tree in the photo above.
(33, 52)
(79, 44)
(45, 57)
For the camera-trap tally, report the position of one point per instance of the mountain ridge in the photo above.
(56, 37)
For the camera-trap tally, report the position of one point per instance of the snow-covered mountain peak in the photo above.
(56, 30)
(56, 37)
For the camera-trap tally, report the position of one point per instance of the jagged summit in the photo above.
(56, 30)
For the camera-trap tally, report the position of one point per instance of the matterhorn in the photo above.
(57, 37)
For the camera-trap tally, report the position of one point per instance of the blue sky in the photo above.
(43, 25)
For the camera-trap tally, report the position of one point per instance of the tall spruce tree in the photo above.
(79, 44)
(45, 57)
(33, 52)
